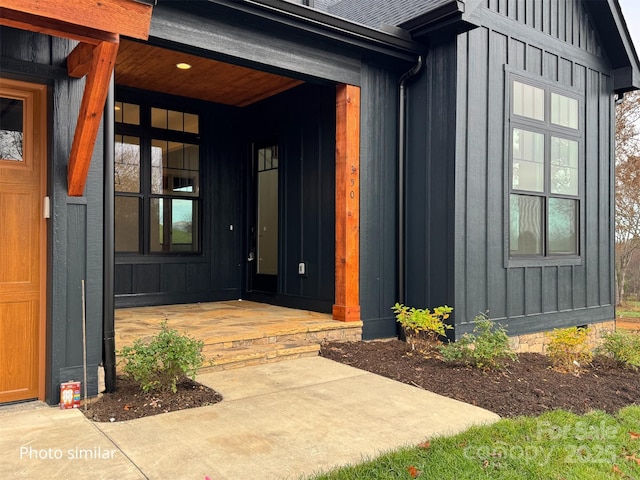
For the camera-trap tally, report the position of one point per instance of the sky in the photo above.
(631, 12)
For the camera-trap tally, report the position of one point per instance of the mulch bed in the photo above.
(527, 387)
(129, 402)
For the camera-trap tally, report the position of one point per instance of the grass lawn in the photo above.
(555, 445)
(628, 309)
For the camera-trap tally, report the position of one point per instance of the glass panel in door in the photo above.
(264, 255)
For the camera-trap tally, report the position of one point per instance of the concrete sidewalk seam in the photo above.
(115, 444)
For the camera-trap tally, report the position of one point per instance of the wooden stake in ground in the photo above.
(84, 344)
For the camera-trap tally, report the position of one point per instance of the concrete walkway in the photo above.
(277, 421)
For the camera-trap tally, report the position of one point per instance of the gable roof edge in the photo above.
(610, 23)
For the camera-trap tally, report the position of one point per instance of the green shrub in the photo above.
(568, 348)
(162, 362)
(623, 347)
(423, 324)
(486, 348)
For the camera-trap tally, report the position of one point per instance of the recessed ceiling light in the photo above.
(183, 66)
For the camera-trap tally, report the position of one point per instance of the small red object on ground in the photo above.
(69, 395)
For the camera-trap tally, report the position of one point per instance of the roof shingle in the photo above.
(375, 13)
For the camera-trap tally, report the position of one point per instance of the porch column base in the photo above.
(346, 313)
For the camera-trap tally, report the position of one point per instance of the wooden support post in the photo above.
(79, 19)
(99, 67)
(98, 26)
(347, 299)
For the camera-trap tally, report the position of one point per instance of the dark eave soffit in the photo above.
(329, 26)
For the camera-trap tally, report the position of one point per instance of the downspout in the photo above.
(401, 174)
(108, 323)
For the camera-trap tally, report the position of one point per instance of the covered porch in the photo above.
(238, 333)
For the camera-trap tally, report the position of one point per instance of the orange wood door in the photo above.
(22, 240)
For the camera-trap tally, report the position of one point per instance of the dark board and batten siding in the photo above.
(75, 242)
(75, 229)
(430, 179)
(537, 297)
(302, 121)
(564, 20)
(378, 201)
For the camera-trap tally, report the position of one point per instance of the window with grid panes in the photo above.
(545, 158)
(157, 180)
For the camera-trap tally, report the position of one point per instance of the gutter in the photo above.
(108, 322)
(327, 25)
(402, 134)
(448, 12)
(448, 19)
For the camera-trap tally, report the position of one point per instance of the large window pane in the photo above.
(525, 232)
(528, 101)
(563, 225)
(184, 225)
(564, 111)
(127, 113)
(267, 243)
(127, 164)
(127, 224)
(175, 168)
(564, 166)
(159, 118)
(174, 225)
(191, 123)
(173, 120)
(11, 129)
(158, 220)
(528, 160)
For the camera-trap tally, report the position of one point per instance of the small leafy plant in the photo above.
(623, 347)
(568, 348)
(162, 362)
(486, 348)
(423, 324)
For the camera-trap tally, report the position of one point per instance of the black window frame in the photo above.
(549, 130)
(146, 133)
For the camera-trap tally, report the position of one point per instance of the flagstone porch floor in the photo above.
(238, 333)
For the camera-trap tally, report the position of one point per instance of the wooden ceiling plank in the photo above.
(126, 17)
(270, 92)
(91, 108)
(145, 66)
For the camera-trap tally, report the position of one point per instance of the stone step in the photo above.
(217, 358)
(286, 335)
(226, 358)
(237, 333)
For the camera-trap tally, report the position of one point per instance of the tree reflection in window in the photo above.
(11, 129)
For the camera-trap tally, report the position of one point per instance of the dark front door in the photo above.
(264, 222)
